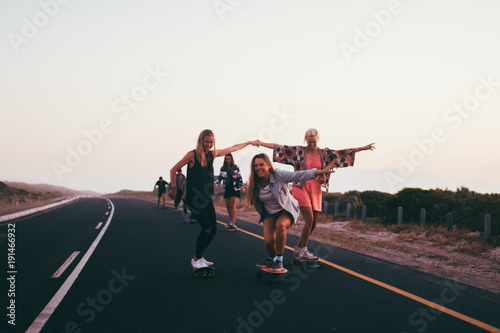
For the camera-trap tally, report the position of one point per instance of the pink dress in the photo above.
(310, 194)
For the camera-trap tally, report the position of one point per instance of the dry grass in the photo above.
(474, 247)
(462, 240)
(20, 206)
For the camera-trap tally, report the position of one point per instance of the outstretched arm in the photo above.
(330, 168)
(305, 175)
(265, 144)
(367, 147)
(232, 149)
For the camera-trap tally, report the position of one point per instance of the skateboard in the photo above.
(231, 227)
(307, 263)
(273, 276)
(204, 272)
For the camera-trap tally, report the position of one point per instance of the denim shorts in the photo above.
(266, 215)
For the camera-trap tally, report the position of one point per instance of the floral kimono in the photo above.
(231, 179)
(297, 155)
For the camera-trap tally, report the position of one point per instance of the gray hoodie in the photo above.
(279, 188)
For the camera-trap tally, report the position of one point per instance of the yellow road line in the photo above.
(416, 298)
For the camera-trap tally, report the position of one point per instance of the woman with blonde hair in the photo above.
(200, 187)
(278, 209)
(308, 193)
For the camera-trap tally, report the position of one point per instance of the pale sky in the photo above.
(109, 95)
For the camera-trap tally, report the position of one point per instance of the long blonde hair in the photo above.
(254, 179)
(200, 153)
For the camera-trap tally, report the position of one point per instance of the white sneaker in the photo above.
(209, 263)
(198, 264)
(305, 254)
(296, 251)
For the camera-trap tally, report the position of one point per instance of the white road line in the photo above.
(36, 210)
(65, 265)
(98, 225)
(42, 318)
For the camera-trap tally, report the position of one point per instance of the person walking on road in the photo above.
(278, 209)
(162, 190)
(308, 193)
(200, 188)
(180, 183)
(233, 184)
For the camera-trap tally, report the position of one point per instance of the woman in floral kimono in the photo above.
(308, 193)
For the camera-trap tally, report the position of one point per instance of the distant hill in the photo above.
(44, 188)
(6, 190)
(16, 196)
(13, 199)
(123, 193)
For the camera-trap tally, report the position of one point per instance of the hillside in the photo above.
(132, 193)
(16, 196)
(43, 188)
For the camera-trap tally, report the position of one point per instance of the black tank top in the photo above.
(200, 180)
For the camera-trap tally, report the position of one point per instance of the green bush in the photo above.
(468, 208)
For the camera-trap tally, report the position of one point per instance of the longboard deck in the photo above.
(269, 270)
(305, 260)
(273, 276)
(204, 272)
(307, 263)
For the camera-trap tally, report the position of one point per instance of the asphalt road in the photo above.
(138, 279)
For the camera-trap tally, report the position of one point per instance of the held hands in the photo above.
(255, 143)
